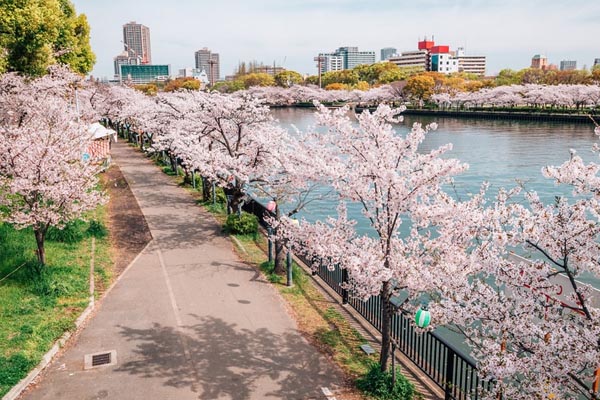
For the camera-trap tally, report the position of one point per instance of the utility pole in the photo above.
(319, 60)
(211, 62)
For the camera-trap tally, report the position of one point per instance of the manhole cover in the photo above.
(100, 359)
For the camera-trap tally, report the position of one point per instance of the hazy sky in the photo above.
(291, 32)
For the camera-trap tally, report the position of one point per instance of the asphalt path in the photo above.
(188, 319)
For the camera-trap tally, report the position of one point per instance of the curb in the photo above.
(20, 387)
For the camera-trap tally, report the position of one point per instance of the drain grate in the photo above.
(100, 359)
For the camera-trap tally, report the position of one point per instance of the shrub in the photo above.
(379, 384)
(72, 232)
(13, 369)
(245, 224)
(96, 229)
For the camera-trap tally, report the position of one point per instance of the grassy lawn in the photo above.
(35, 310)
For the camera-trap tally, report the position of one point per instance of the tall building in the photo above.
(596, 61)
(539, 62)
(136, 39)
(346, 58)
(209, 62)
(388, 52)
(568, 65)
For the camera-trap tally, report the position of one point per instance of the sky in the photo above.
(290, 33)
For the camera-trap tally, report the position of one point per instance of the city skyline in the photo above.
(291, 34)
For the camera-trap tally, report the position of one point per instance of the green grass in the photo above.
(36, 309)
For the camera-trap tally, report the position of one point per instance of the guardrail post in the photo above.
(290, 281)
(449, 384)
(270, 242)
(344, 282)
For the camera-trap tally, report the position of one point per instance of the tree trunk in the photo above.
(40, 235)
(206, 189)
(386, 325)
(173, 161)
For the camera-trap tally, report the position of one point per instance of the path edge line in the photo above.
(47, 358)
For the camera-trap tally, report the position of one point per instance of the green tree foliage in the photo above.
(257, 79)
(312, 80)
(509, 77)
(347, 76)
(229, 86)
(288, 78)
(37, 33)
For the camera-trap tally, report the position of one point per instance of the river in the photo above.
(499, 152)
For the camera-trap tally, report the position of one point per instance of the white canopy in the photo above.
(99, 131)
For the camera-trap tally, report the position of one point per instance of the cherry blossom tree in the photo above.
(532, 323)
(43, 179)
(394, 184)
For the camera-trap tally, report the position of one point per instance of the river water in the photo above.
(499, 152)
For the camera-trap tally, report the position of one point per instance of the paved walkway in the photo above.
(188, 320)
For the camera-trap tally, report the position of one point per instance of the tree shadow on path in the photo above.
(224, 361)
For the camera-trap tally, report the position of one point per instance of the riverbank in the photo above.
(497, 115)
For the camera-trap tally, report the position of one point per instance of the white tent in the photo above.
(99, 131)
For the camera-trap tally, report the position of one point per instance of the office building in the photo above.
(209, 62)
(388, 52)
(124, 59)
(140, 74)
(330, 62)
(136, 40)
(445, 63)
(539, 61)
(568, 65)
(345, 58)
(417, 59)
(353, 57)
(470, 64)
(439, 58)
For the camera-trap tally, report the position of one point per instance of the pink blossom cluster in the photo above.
(524, 95)
(279, 96)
